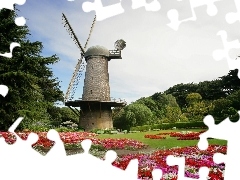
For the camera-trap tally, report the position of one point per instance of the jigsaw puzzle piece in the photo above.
(131, 172)
(23, 147)
(173, 14)
(20, 21)
(21, 152)
(103, 12)
(232, 17)
(157, 174)
(103, 169)
(86, 145)
(12, 46)
(3, 90)
(232, 157)
(216, 131)
(58, 149)
(230, 169)
(110, 156)
(10, 3)
(153, 6)
(180, 162)
(219, 158)
(224, 53)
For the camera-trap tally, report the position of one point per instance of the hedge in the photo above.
(167, 126)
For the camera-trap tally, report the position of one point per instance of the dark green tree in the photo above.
(211, 90)
(222, 108)
(134, 114)
(235, 99)
(230, 82)
(32, 87)
(180, 92)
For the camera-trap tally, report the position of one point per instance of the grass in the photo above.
(167, 143)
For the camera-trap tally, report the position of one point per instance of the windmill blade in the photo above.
(77, 78)
(80, 65)
(90, 33)
(73, 78)
(71, 32)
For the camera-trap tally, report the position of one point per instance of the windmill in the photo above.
(95, 105)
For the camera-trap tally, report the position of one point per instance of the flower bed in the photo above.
(186, 135)
(194, 160)
(75, 138)
(151, 136)
(147, 162)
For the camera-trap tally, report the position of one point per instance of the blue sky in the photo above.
(156, 57)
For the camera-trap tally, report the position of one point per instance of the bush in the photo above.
(70, 125)
(178, 125)
(63, 129)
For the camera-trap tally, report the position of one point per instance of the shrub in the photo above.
(62, 129)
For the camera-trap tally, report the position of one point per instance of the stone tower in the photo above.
(95, 105)
(96, 83)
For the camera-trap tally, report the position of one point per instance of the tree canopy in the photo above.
(33, 89)
(191, 102)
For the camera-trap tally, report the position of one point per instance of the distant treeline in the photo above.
(184, 103)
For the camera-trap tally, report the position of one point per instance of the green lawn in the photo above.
(169, 142)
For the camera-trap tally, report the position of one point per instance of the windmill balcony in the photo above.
(115, 54)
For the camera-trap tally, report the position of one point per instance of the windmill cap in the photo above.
(97, 51)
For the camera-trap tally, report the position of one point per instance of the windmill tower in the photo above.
(95, 106)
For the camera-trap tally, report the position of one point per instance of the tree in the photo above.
(230, 82)
(235, 99)
(32, 87)
(180, 92)
(211, 90)
(119, 120)
(193, 98)
(223, 109)
(134, 114)
(162, 101)
(138, 114)
(68, 115)
(174, 114)
(150, 103)
(196, 109)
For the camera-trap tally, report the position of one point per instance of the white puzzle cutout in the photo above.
(153, 6)
(8, 4)
(3, 90)
(232, 17)
(103, 12)
(19, 21)
(12, 46)
(173, 14)
(231, 129)
(180, 162)
(220, 54)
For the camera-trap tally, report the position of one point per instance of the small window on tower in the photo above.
(92, 66)
(91, 91)
(92, 78)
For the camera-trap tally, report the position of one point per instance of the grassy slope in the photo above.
(169, 142)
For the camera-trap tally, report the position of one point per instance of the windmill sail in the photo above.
(80, 65)
(72, 34)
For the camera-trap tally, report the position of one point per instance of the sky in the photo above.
(156, 57)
